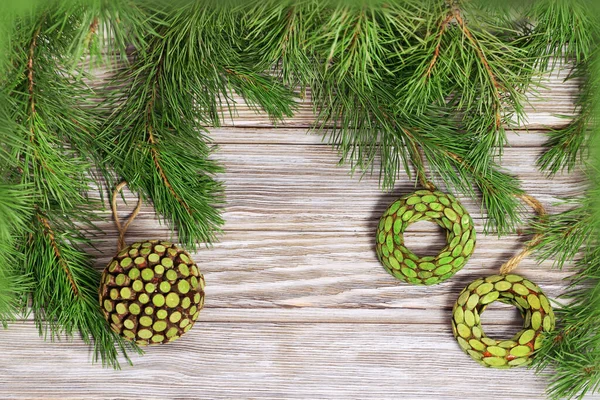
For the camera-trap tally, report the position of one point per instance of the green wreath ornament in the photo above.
(425, 205)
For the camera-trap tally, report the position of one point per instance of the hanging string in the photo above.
(123, 228)
(512, 263)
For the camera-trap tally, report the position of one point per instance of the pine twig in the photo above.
(496, 86)
(52, 238)
(30, 68)
(436, 52)
(153, 143)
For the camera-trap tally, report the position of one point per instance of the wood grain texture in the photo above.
(297, 304)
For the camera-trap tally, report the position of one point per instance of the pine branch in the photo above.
(562, 31)
(568, 146)
(49, 233)
(572, 352)
(436, 51)
(492, 78)
(47, 157)
(172, 168)
(15, 208)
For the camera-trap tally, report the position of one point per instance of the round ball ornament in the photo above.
(425, 205)
(509, 289)
(151, 292)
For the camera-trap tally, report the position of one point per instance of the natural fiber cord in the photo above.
(123, 228)
(513, 263)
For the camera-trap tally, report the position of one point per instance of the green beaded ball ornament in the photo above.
(151, 292)
(425, 205)
(510, 289)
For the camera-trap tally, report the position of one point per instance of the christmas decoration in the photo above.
(151, 292)
(388, 82)
(538, 316)
(510, 289)
(425, 205)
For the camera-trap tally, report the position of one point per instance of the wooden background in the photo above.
(297, 304)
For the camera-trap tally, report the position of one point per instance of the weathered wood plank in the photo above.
(267, 360)
(299, 187)
(258, 269)
(304, 136)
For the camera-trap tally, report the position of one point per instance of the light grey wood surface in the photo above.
(297, 304)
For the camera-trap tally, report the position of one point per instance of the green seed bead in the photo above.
(147, 274)
(484, 288)
(462, 299)
(121, 308)
(513, 278)
(477, 345)
(497, 351)
(194, 282)
(171, 332)
(158, 338)
(184, 270)
(165, 287)
(406, 271)
(175, 317)
(126, 262)
(387, 225)
(472, 302)
(527, 336)
(520, 351)
(159, 326)
(421, 207)
(502, 286)
(427, 266)
(134, 273)
(158, 300)
(458, 315)
(394, 207)
(167, 262)
(125, 293)
(490, 297)
(150, 287)
(134, 309)
(185, 303)
(171, 275)
(443, 269)
(112, 267)
(520, 289)
(129, 324)
(494, 361)
(413, 200)
(120, 279)
(145, 333)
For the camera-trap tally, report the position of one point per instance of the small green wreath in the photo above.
(510, 289)
(425, 205)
